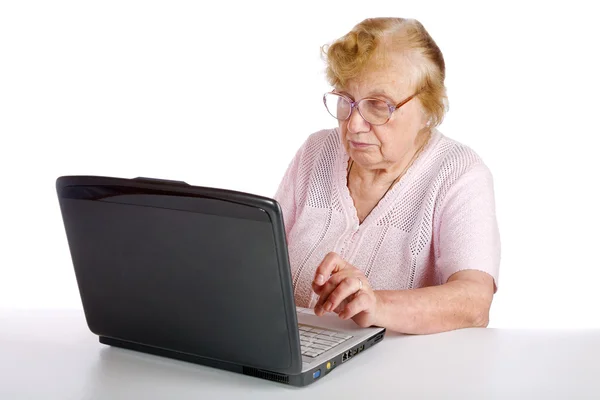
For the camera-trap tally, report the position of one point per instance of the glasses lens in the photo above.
(375, 112)
(338, 107)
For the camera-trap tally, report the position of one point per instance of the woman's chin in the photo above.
(362, 158)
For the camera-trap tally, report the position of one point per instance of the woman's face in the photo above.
(380, 147)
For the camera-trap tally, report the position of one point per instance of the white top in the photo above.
(52, 355)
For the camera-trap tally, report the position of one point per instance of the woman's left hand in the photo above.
(344, 289)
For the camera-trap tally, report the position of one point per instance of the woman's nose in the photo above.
(356, 123)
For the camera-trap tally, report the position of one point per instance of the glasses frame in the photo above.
(356, 104)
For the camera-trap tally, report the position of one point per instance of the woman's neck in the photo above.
(369, 178)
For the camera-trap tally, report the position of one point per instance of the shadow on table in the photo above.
(121, 373)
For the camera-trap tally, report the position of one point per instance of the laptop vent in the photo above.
(266, 375)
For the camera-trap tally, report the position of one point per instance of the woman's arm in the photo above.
(286, 193)
(463, 302)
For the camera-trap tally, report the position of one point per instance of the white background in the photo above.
(222, 93)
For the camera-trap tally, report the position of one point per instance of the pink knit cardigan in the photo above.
(438, 219)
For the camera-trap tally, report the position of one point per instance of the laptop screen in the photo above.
(178, 271)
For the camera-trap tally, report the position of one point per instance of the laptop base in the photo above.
(303, 379)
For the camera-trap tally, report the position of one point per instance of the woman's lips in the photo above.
(359, 145)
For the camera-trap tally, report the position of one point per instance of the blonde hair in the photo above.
(366, 47)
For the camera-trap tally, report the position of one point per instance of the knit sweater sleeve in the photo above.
(468, 235)
(286, 192)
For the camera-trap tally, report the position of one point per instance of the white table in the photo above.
(52, 355)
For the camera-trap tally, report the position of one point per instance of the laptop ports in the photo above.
(348, 355)
(352, 352)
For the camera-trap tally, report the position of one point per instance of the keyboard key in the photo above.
(325, 342)
(326, 337)
(320, 346)
(341, 335)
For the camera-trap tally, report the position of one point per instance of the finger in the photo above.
(346, 288)
(331, 283)
(363, 301)
(325, 290)
(331, 264)
(341, 307)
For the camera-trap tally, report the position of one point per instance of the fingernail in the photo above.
(328, 306)
(320, 279)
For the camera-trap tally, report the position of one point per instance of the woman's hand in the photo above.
(345, 290)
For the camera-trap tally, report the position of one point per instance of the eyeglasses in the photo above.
(374, 111)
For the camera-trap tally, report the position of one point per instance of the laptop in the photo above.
(197, 274)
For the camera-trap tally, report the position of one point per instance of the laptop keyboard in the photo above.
(316, 341)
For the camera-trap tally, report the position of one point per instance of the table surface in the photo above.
(51, 354)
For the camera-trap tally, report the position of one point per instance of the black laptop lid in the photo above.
(196, 270)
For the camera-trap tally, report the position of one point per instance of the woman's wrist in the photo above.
(379, 313)
(391, 310)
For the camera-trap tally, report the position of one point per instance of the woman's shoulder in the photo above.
(319, 144)
(318, 139)
(454, 165)
(453, 158)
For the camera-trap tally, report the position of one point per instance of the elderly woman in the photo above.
(389, 222)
